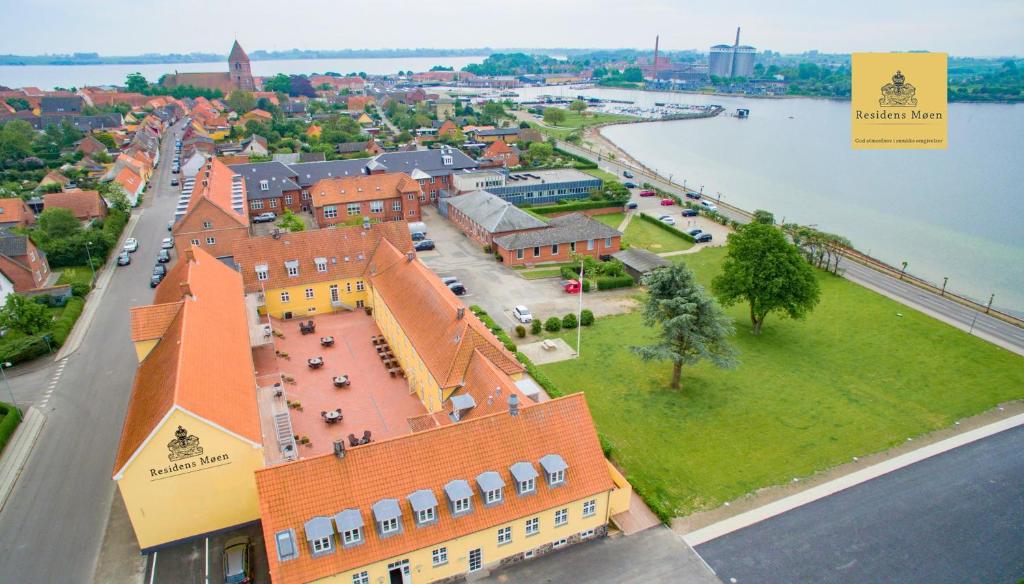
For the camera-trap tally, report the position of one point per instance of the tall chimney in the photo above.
(459, 313)
(737, 37)
(655, 75)
(513, 405)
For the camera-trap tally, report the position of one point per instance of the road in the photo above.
(52, 525)
(992, 329)
(957, 517)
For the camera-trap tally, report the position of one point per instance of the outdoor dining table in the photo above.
(332, 416)
(316, 362)
(326, 341)
(341, 381)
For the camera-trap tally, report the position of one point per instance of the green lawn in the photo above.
(601, 174)
(541, 273)
(574, 121)
(75, 275)
(643, 234)
(860, 374)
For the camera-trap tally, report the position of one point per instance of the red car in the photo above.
(571, 286)
(647, 193)
(667, 202)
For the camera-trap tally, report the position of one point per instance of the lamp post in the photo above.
(902, 271)
(990, 299)
(579, 315)
(89, 255)
(3, 367)
(945, 279)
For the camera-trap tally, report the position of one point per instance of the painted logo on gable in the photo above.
(183, 446)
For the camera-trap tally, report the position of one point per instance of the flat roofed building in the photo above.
(546, 186)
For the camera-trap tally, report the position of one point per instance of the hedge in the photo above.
(576, 206)
(612, 282)
(8, 423)
(581, 162)
(666, 227)
(62, 326)
(23, 349)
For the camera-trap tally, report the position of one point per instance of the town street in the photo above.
(63, 497)
(956, 517)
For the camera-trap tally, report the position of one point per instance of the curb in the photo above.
(16, 454)
(95, 297)
(743, 520)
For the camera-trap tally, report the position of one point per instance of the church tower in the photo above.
(238, 66)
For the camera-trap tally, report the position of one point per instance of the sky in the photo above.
(977, 28)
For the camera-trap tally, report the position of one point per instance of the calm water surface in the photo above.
(956, 212)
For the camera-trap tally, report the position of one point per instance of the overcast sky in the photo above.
(980, 27)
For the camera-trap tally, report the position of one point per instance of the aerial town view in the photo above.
(526, 293)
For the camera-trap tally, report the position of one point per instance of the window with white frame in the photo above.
(334, 293)
(561, 517)
(293, 269)
(273, 203)
(261, 275)
(361, 578)
(285, 296)
(211, 240)
(360, 286)
(352, 208)
(264, 185)
(321, 266)
(527, 486)
(321, 545)
(376, 206)
(207, 224)
(492, 496)
(589, 507)
(305, 195)
(461, 505)
(330, 212)
(439, 557)
(256, 205)
(360, 303)
(194, 242)
(352, 536)
(607, 242)
(287, 199)
(396, 206)
(587, 534)
(504, 535)
(556, 478)
(412, 212)
(533, 526)
(425, 515)
(590, 244)
(389, 525)
(412, 196)
(309, 293)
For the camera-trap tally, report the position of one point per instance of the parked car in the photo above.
(694, 231)
(268, 217)
(522, 314)
(237, 560)
(167, 243)
(571, 286)
(702, 238)
(627, 174)
(131, 245)
(163, 256)
(631, 205)
(160, 270)
(449, 280)
(175, 169)
(124, 258)
(155, 280)
(688, 212)
(170, 225)
(694, 196)
(667, 202)
(667, 220)
(709, 206)
(419, 236)
(175, 182)
(424, 245)
(629, 185)
(457, 289)
(647, 193)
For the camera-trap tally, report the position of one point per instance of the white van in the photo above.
(709, 206)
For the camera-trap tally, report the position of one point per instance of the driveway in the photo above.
(200, 560)
(497, 288)
(653, 556)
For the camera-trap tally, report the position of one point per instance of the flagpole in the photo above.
(579, 314)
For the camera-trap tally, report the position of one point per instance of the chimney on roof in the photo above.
(190, 254)
(186, 289)
(339, 448)
(513, 405)
(460, 313)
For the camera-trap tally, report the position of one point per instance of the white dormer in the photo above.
(264, 185)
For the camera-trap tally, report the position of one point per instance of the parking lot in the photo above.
(200, 561)
(497, 288)
(653, 207)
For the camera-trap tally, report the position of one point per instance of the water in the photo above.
(50, 76)
(956, 212)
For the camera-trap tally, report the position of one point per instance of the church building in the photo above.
(238, 76)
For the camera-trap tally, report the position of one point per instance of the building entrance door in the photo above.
(399, 573)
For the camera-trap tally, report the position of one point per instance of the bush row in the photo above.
(580, 162)
(612, 282)
(498, 332)
(62, 326)
(9, 420)
(23, 349)
(566, 206)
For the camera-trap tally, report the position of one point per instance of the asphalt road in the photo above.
(957, 517)
(52, 525)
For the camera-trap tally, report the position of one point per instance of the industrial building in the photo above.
(732, 61)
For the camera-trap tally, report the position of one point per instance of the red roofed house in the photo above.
(216, 216)
(14, 212)
(132, 184)
(358, 102)
(499, 150)
(381, 197)
(90, 146)
(23, 267)
(84, 205)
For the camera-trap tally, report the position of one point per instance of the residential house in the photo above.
(215, 215)
(563, 237)
(448, 128)
(500, 151)
(313, 131)
(90, 146)
(369, 146)
(69, 104)
(379, 197)
(255, 145)
(21, 263)
(54, 177)
(445, 108)
(507, 135)
(483, 216)
(131, 182)
(271, 186)
(15, 212)
(358, 103)
(86, 206)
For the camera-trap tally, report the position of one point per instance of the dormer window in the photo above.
(389, 526)
(387, 514)
(293, 268)
(491, 485)
(460, 505)
(320, 535)
(321, 264)
(264, 185)
(554, 469)
(261, 272)
(460, 497)
(350, 526)
(525, 476)
(424, 507)
(447, 160)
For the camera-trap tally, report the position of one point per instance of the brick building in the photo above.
(215, 214)
(381, 197)
(563, 236)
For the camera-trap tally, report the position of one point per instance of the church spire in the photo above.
(237, 53)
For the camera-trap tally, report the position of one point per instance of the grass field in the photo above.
(541, 273)
(75, 275)
(574, 121)
(861, 374)
(643, 234)
(601, 174)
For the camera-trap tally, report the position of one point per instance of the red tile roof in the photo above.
(15, 210)
(84, 205)
(215, 182)
(293, 493)
(150, 322)
(338, 191)
(202, 362)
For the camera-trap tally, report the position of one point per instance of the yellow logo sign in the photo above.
(888, 111)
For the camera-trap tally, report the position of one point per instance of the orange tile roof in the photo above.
(202, 363)
(150, 322)
(215, 182)
(15, 210)
(82, 204)
(427, 311)
(497, 147)
(336, 244)
(338, 191)
(489, 387)
(292, 493)
(128, 179)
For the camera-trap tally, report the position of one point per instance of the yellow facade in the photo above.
(173, 493)
(421, 382)
(420, 562)
(142, 348)
(352, 293)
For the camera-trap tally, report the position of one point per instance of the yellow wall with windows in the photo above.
(217, 491)
(421, 565)
(299, 305)
(421, 382)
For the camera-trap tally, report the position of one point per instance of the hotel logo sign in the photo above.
(890, 112)
(186, 456)
(183, 446)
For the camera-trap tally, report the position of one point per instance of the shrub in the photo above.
(487, 249)
(666, 227)
(568, 273)
(510, 346)
(612, 282)
(79, 289)
(535, 327)
(9, 420)
(520, 331)
(63, 325)
(586, 317)
(23, 349)
(606, 445)
(569, 321)
(586, 285)
(553, 324)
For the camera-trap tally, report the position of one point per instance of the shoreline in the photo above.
(784, 97)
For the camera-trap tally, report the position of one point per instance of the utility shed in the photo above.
(640, 261)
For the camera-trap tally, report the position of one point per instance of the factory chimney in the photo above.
(655, 75)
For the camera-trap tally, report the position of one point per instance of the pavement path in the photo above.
(957, 517)
(64, 494)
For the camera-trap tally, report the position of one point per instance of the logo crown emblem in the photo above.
(184, 445)
(899, 93)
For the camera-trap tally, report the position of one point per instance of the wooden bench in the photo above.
(548, 345)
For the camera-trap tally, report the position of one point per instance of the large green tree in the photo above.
(58, 223)
(554, 116)
(692, 325)
(24, 315)
(278, 83)
(766, 271)
(136, 82)
(15, 140)
(579, 106)
(241, 101)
